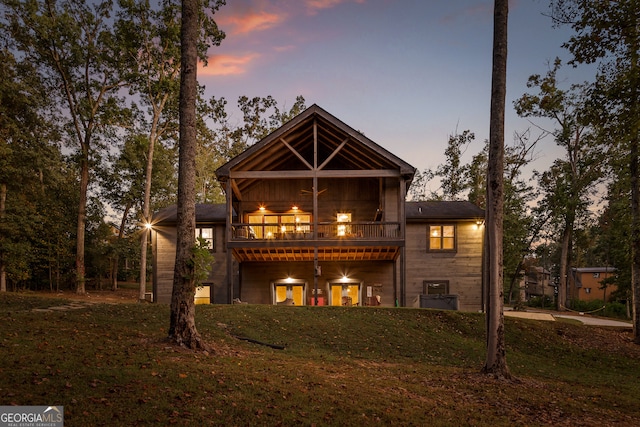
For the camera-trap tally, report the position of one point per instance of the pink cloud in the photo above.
(313, 6)
(225, 65)
(252, 21)
(284, 48)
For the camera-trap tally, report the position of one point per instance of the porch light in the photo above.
(294, 207)
(479, 223)
(148, 226)
(288, 279)
(344, 278)
(261, 208)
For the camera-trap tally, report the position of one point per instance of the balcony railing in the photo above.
(326, 231)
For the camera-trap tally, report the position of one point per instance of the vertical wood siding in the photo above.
(463, 269)
(165, 255)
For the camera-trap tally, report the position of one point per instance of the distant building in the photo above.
(536, 282)
(585, 284)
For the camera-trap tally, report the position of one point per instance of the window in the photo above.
(343, 228)
(273, 226)
(207, 235)
(442, 237)
(435, 287)
(203, 294)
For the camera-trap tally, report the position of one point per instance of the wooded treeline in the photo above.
(89, 129)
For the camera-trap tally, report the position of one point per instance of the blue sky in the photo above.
(407, 73)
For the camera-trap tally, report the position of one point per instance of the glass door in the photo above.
(345, 293)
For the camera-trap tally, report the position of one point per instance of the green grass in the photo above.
(109, 364)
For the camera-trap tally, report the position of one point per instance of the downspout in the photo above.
(403, 219)
(229, 199)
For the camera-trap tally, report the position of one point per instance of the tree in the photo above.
(567, 182)
(79, 61)
(607, 33)
(496, 360)
(452, 173)
(123, 183)
(154, 35)
(182, 327)
(154, 72)
(31, 166)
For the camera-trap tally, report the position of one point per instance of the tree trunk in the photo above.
(3, 272)
(635, 238)
(82, 219)
(496, 362)
(182, 327)
(146, 204)
(564, 266)
(115, 262)
(635, 188)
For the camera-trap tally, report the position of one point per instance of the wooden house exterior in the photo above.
(586, 283)
(210, 225)
(315, 213)
(444, 244)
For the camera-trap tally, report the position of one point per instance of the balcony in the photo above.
(352, 231)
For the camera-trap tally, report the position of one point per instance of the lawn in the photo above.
(109, 364)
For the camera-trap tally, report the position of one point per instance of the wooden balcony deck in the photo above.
(334, 242)
(326, 231)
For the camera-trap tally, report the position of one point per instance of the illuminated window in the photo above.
(343, 228)
(347, 294)
(442, 238)
(274, 226)
(203, 294)
(207, 235)
(285, 293)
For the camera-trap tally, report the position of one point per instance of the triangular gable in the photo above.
(292, 148)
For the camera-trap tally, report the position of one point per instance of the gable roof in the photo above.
(339, 147)
(447, 210)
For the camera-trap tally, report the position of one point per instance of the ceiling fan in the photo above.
(310, 192)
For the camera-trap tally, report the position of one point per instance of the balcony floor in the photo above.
(337, 253)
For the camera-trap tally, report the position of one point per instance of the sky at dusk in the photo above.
(406, 73)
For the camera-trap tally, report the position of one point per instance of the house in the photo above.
(586, 283)
(315, 214)
(535, 281)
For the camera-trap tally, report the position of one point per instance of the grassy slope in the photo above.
(108, 364)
